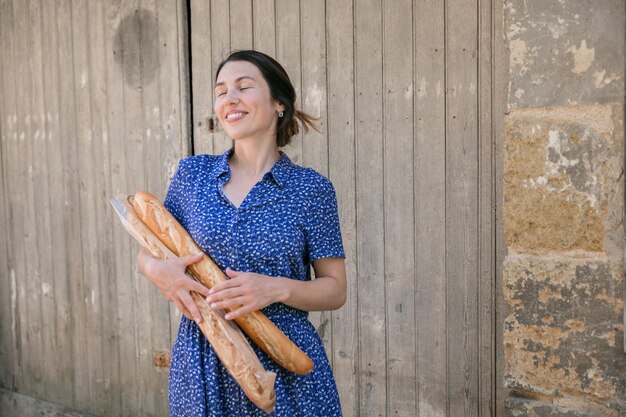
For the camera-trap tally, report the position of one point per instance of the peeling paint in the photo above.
(583, 57)
(46, 288)
(600, 81)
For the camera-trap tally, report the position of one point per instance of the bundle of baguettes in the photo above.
(227, 340)
(255, 324)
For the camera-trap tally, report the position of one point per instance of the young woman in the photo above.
(265, 221)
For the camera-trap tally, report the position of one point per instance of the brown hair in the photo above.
(281, 90)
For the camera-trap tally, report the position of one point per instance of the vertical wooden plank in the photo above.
(71, 218)
(174, 114)
(145, 38)
(220, 48)
(61, 304)
(314, 144)
(102, 304)
(264, 32)
(461, 206)
(499, 97)
(9, 355)
(370, 207)
(241, 24)
(288, 54)
(170, 94)
(73, 127)
(122, 181)
(430, 194)
(399, 213)
(113, 139)
(342, 171)
(202, 76)
(129, 33)
(486, 229)
(313, 82)
(40, 202)
(6, 354)
(27, 276)
(89, 341)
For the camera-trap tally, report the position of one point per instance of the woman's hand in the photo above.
(246, 290)
(170, 278)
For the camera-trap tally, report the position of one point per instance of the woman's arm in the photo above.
(254, 291)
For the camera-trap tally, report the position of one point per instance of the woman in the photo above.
(264, 220)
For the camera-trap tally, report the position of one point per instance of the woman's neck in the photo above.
(254, 159)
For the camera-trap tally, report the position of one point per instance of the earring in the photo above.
(281, 114)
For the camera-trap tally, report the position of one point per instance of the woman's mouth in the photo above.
(234, 116)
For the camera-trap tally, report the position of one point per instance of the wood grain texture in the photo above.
(462, 238)
(399, 211)
(430, 215)
(313, 101)
(202, 71)
(84, 124)
(370, 209)
(96, 101)
(487, 221)
(342, 170)
(10, 318)
(220, 48)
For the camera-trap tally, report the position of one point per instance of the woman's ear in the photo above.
(279, 107)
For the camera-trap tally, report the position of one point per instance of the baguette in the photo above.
(227, 340)
(255, 324)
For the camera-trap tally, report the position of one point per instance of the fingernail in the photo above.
(227, 317)
(214, 305)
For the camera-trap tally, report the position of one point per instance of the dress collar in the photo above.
(279, 172)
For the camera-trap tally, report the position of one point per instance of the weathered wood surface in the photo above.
(91, 106)
(404, 94)
(96, 100)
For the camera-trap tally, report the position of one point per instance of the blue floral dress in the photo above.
(288, 220)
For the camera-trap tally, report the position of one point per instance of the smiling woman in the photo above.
(272, 76)
(265, 221)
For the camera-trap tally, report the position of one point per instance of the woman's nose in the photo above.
(231, 95)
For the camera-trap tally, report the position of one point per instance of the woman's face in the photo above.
(244, 104)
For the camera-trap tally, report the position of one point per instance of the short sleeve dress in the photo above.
(288, 220)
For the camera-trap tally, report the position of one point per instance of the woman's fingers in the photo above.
(241, 311)
(181, 307)
(199, 288)
(231, 302)
(190, 259)
(191, 306)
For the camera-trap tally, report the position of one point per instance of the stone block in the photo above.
(523, 407)
(563, 331)
(564, 52)
(562, 166)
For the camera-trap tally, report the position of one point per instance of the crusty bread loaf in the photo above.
(255, 324)
(229, 343)
(233, 349)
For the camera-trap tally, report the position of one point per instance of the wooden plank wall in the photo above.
(93, 103)
(404, 90)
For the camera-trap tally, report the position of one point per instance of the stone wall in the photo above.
(563, 186)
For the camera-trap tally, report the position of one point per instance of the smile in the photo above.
(231, 117)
